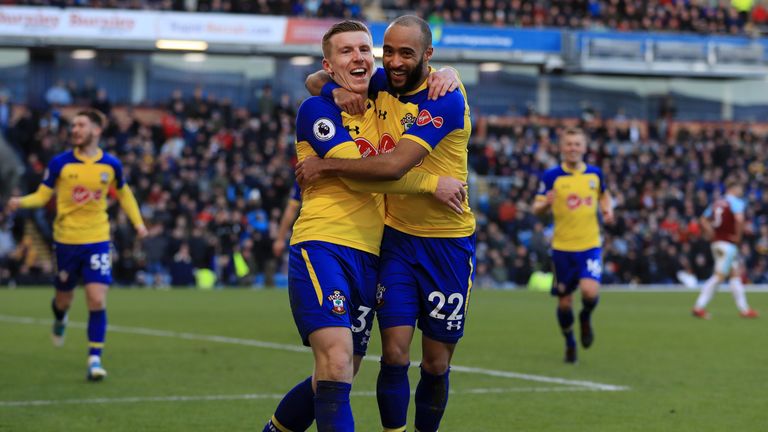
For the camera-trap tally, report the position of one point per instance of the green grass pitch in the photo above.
(187, 360)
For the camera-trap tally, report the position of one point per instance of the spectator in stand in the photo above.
(192, 155)
(58, 94)
(182, 273)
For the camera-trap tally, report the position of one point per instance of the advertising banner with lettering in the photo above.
(29, 21)
(307, 31)
(222, 28)
(486, 38)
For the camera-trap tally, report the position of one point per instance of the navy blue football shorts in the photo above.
(426, 281)
(92, 262)
(332, 286)
(571, 267)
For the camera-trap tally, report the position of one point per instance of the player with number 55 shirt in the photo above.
(82, 178)
(575, 193)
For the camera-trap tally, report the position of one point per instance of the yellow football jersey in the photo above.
(443, 128)
(575, 209)
(81, 185)
(330, 210)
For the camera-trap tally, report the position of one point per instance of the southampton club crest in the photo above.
(338, 299)
(324, 129)
(408, 121)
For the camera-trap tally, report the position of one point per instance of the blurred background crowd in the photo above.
(212, 180)
(699, 16)
(212, 174)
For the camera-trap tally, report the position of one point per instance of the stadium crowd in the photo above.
(663, 175)
(309, 8)
(706, 17)
(698, 16)
(212, 180)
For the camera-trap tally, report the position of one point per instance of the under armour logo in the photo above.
(382, 115)
(453, 325)
(356, 129)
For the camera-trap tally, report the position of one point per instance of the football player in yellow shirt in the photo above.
(81, 179)
(575, 193)
(334, 248)
(427, 252)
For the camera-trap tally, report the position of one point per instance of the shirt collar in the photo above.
(81, 157)
(423, 85)
(580, 169)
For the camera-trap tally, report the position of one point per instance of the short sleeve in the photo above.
(53, 171)
(438, 118)
(601, 179)
(546, 183)
(319, 123)
(119, 175)
(738, 206)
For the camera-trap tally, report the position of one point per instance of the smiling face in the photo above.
(573, 147)
(405, 57)
(349, 60)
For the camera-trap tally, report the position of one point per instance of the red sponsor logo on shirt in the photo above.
(386, 143)
(365, 147)
(425, 117)
(81, 194)
(574, 201)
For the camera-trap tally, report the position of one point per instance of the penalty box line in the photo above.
(590, 385)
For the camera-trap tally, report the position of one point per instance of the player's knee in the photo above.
(589, 288)
(63, 303)
(565, 302)
(338, 369)
(435, 365)
(97, 303)
(335, 364)
(396, 354)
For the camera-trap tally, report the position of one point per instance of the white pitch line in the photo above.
(539, 378)
(295, 348)
(255, 396)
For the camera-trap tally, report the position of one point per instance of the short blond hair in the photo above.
(342, 27)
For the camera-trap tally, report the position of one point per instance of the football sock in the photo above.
(588, 305)
(333, 411)
(97, 330)
(393, 393)
(707, 291)
(431, 399)
(565, 318)
(296, 411)
(57, 313)
(737, 288)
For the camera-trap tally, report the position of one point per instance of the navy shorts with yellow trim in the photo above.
(332, 286)
(571, 267)
(428, 280)
(92, 262)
